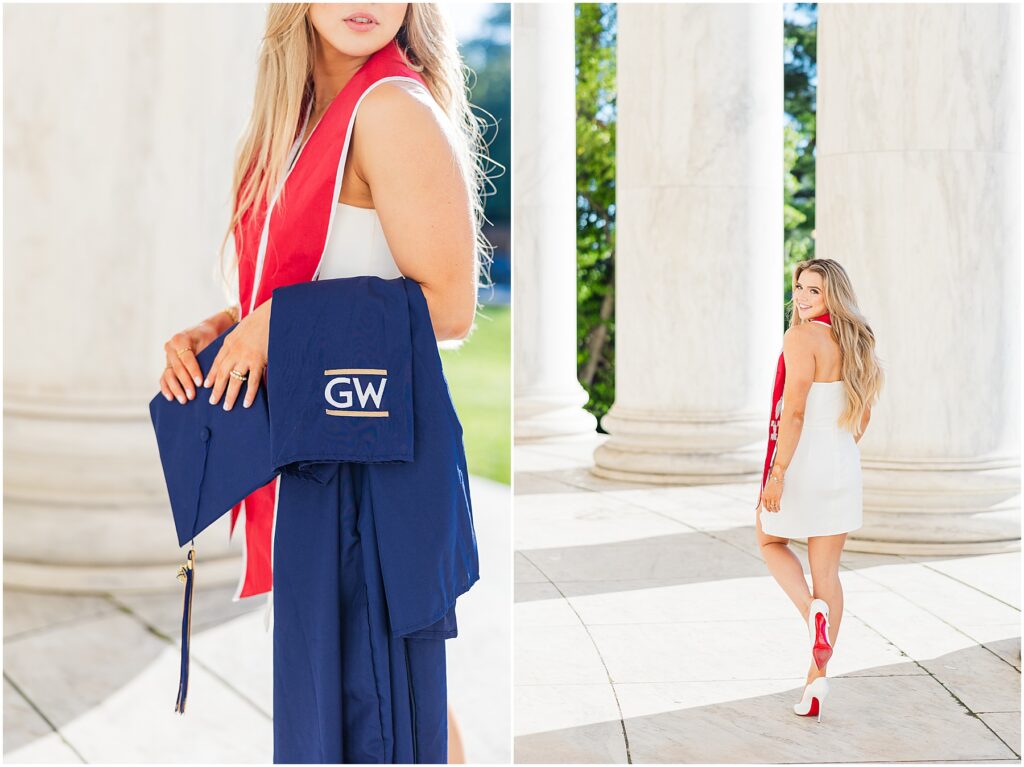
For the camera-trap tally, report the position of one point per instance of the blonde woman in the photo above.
(363, 148)
(828, 378)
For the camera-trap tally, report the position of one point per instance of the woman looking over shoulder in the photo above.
(827, 380)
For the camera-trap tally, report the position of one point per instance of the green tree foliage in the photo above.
(595, 201)
(801, 80)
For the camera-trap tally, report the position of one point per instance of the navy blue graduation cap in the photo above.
(212, 458)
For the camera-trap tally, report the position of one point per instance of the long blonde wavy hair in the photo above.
(284, 86)
(862, 373)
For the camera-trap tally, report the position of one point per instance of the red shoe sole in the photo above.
(813, 710)
(822, 649)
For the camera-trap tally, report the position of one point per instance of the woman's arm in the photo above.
(404, 151)
(799, 356)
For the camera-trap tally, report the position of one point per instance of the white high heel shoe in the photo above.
(814, 696)
(817, 626)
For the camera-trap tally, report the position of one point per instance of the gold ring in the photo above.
(238, 376)
(179, 352)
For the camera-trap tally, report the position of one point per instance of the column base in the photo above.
(552, 416)
(866, 546)
(94, 579)
(679, 449)
(85, 504)
(76, 548)
(939, 508)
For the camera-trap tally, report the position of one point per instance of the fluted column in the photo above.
(549, 398)
(919, 198)
(699, 241)
(118, 153)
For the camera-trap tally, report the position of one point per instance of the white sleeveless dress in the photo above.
(822, 491)
(356, 246)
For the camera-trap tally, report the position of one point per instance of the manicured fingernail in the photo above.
(168, 397)
(181, 400)
(206, 384)
(191, 394)
(198, 380)
(226, 405)
(246, 403)
(213, 399)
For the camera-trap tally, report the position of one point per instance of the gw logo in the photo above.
(341, 396)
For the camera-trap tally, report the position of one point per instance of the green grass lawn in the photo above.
(478, 376)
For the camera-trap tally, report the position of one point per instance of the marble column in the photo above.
(118, 151)
(699, 242)
(548, 397)
(919, 198)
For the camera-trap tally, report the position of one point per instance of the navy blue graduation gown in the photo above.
(373, 538)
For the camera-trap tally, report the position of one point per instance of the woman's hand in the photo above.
(771, 496)
(244, 350)
(182, 375)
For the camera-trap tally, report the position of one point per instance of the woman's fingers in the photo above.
(234, 385)
(191, 364)
(165, 389)
(237, 357)
(176, 348)
(228, 386)
(252, 385)
(224, 384)
(184, 378)
(170, 380)
(217, 376)
(214, 374)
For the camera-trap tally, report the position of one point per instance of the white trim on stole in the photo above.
(240, 524)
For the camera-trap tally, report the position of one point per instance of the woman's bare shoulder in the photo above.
(801, 335)
(398, 109)
(401, 134)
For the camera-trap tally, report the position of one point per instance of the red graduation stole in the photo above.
(290, 250)
(776, 412)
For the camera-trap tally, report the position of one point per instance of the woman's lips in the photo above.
(361, 21)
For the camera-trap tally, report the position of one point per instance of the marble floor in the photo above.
(93, 678)
(648, 630)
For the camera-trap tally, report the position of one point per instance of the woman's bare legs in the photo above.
(823, 552)
(456, 753)
(784, 566)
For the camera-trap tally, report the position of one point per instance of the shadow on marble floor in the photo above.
(573, 480)
(665, 560)
(676, 559)
(66, 654)
(903, 712)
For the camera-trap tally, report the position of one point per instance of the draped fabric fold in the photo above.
(374, 539)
